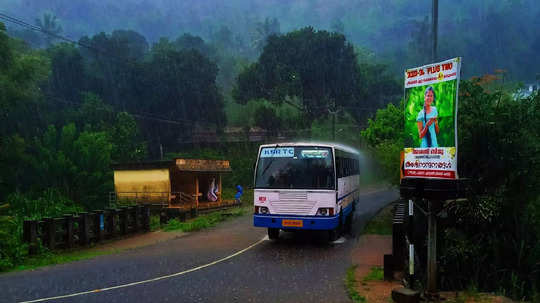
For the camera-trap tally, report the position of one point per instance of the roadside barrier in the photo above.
(85, 228)
(396, 261)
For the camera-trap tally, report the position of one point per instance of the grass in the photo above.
(376, 274)
(51, 258)
(350, 282)
(381, 224)
(154, 223)
(204, 221)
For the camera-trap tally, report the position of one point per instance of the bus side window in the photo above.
(339, 167)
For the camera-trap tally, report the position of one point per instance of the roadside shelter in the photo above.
(182, 184)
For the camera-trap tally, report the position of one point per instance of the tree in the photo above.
(114, 67)
(23, 72)
(338, 26)
(180, 86)
(68, 76)
(317, 67)
(76, 163)
(188, 41)
(266, 118)
(263, 30)
(50, 25)
(385, 135)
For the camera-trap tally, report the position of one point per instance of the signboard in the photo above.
(431, 95)
(277, 152)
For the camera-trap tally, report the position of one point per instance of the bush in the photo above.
(20, 207)
(492, 240)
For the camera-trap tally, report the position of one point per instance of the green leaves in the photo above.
(317, 67)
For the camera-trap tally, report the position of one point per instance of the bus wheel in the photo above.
(349, 223)
(273, 233)
(333, 234)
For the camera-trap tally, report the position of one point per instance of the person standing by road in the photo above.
(238, 195)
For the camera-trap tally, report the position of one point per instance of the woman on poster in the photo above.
(428, 126)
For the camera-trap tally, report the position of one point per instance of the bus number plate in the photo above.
(292, 223)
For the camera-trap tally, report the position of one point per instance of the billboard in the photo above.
(431, 95)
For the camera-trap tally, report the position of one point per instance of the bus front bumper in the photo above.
(296, 222)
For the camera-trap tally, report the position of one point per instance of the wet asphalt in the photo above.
(300, 267)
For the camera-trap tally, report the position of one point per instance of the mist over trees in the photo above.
(146, 76)
(488, 34)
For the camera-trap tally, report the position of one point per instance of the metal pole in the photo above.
(411, 245)
(435, 20)
(333, 127)
(432, 250)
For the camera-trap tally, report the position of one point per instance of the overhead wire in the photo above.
(23, 23)
(146, 116)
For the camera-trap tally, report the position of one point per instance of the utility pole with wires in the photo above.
(434, 29)
(334, 111)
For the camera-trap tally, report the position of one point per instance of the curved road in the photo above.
(301, 267)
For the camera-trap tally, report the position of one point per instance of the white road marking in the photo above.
(150, 280)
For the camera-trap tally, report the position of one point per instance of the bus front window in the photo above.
(295, 168)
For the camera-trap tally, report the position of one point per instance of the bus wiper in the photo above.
(270, 162)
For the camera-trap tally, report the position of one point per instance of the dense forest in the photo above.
(489, 34)
(132, 89)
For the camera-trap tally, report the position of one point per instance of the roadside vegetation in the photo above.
(350, 285)
(68, 112)
(375, 274)
(381, 224)
(492, 239)
(205, 221)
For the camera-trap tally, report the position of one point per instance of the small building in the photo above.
(183, 184)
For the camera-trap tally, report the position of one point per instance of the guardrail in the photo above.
(87, 227)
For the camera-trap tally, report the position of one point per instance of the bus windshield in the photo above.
(297, 167)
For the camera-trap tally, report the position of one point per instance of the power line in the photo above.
(23, 23)
(144, 116)
(20, 22)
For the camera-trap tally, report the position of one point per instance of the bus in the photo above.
(310, 186)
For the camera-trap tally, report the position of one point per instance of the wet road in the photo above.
(230, 263)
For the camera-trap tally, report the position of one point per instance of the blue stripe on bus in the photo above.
(308, 222)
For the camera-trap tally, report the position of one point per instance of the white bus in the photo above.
(305, 186)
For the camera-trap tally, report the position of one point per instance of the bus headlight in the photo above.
(325, 211)
(263, 210)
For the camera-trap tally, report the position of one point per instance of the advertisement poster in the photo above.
(431, 94)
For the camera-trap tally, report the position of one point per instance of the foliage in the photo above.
(350, 285)
(486, 240)
(49, 24)
(381, 224)
(384, 135)
(155, 223)
(12, 249)
(49, 203)
(491, 233)
(204, 221)
(317, 67)
(266, 118)
(75, 162)
(375, 274)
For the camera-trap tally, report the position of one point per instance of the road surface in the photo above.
(233, 262)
